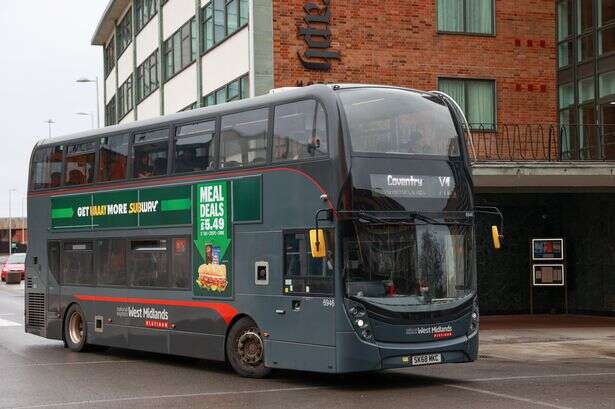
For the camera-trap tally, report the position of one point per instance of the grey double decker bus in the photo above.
(328, 228)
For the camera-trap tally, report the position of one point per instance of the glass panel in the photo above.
(208, 27)
(607, 84)
(568, 131)
(221, 96)
(585, 17)
(150, 158)
(588, 136)
(80, 164)
(77, 263)
(177, 52)
(566, 95)
(244, 138)
(454, 89)
(564, 54)
(481, 104)
(245, 87)
(608, 130)
(53, 258)
(112, 262)
(607, 11)
(607, 40)
(302, 273)
(219, 23)
(586, 89)
(295, 134)
(186, 45)
(586, 47)
(479, 16)
(47, 168)
(195, 148)
(564, 17)
(148, 263)
(193, 45)
(232, 17)
(182, 268)
(450, 15)
(233, 90)
(113, 158)
(243, 12)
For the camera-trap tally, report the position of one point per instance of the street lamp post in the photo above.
(91, 115)
(85, 80)
(10, 221)
(49, 122)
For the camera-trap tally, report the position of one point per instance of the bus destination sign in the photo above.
(166, 206)
(413, 186)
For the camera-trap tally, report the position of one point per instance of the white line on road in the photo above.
(187, 395)
(516, 378)
(7, 323)
(70, 363)
(507, 396)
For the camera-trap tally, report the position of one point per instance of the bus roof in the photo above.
(298, 92)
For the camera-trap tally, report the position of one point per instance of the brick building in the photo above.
(536, 79)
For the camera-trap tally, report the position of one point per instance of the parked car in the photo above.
(15, 262)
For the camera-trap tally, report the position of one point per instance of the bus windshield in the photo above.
(395, 121)
(408, 265)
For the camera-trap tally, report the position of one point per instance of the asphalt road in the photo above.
(39, 373)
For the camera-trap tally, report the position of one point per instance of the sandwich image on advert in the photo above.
(212, 274)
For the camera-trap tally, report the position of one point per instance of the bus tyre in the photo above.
(245, 349)
(75, 329)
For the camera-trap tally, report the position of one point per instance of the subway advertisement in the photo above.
(209, 207)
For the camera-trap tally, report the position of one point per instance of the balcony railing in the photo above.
(541, 142)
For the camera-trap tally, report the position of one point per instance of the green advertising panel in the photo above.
(213, 272)
(166, 206)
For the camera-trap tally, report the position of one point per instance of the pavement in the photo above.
(525, 362)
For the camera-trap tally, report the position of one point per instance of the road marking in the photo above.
(514, 378)
(7, 323)
(507, 396)
(187, 395)
(69, 363)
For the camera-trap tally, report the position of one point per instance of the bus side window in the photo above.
(53, 259)
(181, 265)
(148, 263)
(150, 153)
(78, 263)
(47, 168)
(304, 274)
(195, 147)
(80, 161)
(113, 155)
(112, 262)
(299, 131)
(244, 138)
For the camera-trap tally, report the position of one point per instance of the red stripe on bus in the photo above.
(226, 311)
(166, 181)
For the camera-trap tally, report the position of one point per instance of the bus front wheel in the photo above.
(245, 349)
(75, 330)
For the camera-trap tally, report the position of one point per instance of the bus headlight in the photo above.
(358, 317)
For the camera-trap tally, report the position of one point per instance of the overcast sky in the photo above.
(45, 48)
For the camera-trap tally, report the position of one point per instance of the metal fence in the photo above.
(541, 142)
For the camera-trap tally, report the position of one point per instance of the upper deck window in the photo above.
(195, 147)
(150, 153)
(80, 159)
(394, 121)
(113, 158)
(47, 168)
(300, 131)
(244, 138)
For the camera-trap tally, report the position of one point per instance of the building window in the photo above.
(299, 131)
(80, 159)
(565, 31)
(244, 138)
(109, 57)
(124, 33)
(147, 77)
(180, 49)
(110, 112)
(585, 15)
(304, 274)
(466, 16)
(124, 100)
(150, 153)
(220, 19)
(475, 97)
(113, 158)
(234, 90)
(586, 90)
(606, 10)
(606, 40)
(145, 10)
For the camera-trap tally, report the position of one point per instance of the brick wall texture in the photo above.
(397, 43)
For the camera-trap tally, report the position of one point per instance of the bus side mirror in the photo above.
(496, 237)
(318, 243)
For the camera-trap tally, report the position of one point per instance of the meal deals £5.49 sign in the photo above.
(212, 275)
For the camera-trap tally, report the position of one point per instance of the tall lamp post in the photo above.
(91, 115)
(49, 122)
(11, 221)
(95, 81)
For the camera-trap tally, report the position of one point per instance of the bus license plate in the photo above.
(427, 359)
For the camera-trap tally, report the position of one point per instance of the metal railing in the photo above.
(541, 142)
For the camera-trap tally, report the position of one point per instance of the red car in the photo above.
(15, 262)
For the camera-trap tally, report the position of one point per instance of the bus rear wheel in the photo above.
(245, 349)
(75, 329)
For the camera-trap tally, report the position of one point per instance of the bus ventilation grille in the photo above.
(28, 282)
(36, 310)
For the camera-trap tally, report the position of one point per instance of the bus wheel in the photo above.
(75, 329)
(245, 349)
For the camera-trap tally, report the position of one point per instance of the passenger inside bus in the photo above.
(188, 162)
(75, 177)
(142, 167)
(56, 179)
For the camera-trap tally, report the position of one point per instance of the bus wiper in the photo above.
(411, 215)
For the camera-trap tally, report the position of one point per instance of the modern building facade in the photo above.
(536, 79)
